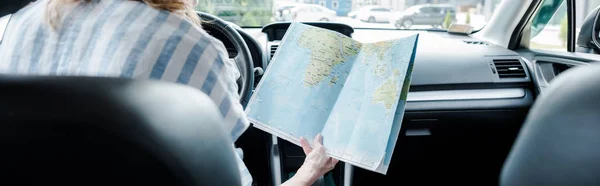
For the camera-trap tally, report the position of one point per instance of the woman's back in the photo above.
(105, 38)
(122, 38)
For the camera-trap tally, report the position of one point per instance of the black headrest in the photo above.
(589, 29)
(559, 142)
(12, 6)
(104, 131)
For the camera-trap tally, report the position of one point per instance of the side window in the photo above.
(436, 10)
(425, 10)
(550, 32)
(550, 26)
(316, 9)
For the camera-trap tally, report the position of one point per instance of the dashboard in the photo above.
(450, 72)
(466, 104)
(463, 91)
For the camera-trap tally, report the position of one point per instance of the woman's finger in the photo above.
(305, 146)
(318, 139)
(332, 162)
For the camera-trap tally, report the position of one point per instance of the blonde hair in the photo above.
(181, 8)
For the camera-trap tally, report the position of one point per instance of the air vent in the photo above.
(476, 42)
(509, 68)
(273, 49)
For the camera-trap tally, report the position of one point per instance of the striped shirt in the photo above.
(129, 39)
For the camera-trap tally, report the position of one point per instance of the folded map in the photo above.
(354, 94)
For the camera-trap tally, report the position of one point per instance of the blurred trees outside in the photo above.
(564, 25)
(468, 18)
(205, 6)
(247, 13)
(447, 21)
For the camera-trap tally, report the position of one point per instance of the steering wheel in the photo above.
(243, 59)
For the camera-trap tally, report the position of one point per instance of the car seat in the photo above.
(558, 143)
(108, 131)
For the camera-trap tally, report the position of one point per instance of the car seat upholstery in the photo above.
(12, 6)
(587, 41)
(105, 131)
(558, 144)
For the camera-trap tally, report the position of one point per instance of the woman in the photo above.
(156, 39)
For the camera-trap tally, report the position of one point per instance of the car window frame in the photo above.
(439, 9)
(424, 10)
(571, 26)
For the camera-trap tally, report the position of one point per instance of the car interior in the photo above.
(484, 108)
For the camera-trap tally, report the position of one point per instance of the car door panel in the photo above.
(417, 17)
(426, 15)
(546, 65)
(439, 16)
(376, 13)
(384, 15)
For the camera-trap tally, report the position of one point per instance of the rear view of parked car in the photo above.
(433, 15)
(311, 12)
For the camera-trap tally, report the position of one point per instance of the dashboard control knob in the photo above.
(258, 71)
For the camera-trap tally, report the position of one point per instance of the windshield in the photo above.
(384, 14)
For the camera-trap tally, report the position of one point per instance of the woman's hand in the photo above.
(316, 158)
(316, 164)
